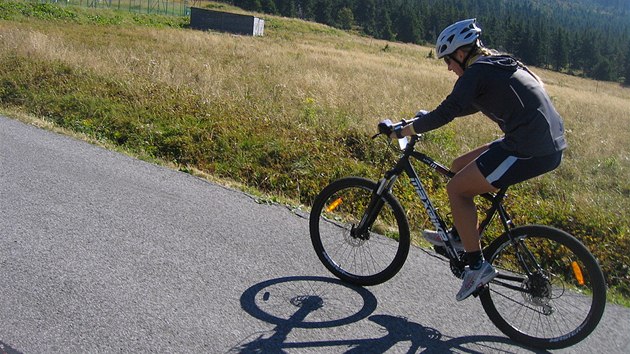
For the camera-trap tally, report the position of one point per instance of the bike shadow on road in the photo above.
(7, 349)
(296, 303)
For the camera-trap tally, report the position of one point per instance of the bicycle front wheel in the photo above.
(362, 259)
(550, 292)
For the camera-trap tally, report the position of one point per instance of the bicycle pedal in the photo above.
(480, 290)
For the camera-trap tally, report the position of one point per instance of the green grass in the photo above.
(286, 113)
(24, 11)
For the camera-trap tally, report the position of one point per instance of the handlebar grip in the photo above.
(385, 128)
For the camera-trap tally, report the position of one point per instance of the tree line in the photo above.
(589, 38)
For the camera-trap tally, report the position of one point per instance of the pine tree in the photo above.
(602, 70)
(251, 5)
(627, 66)
(306, 9)
(345, 18)
(384, 26)
(287, 8)
(408, 26)
(559, 50)
(526, 47)
(269, 6)
(588, 55)
(541, 44)
(514, 39)
(366, 16)
(323, 12)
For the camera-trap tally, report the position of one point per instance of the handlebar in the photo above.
(387, 127)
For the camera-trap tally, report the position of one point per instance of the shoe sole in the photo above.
(458, 247)
(483, 283)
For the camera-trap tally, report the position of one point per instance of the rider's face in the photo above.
(452, 62)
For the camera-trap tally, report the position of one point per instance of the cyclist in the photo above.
(511, 95)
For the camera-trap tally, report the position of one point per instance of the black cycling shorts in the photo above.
(504, 168)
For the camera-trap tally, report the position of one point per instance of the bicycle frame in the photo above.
(386, 184)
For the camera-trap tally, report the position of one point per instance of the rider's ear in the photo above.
(460, 55)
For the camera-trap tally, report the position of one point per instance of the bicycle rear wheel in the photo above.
(367, 259)
(554, 304)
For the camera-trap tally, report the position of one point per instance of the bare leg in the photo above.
(462, 161)
(467, 183)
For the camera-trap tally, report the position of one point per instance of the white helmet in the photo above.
(457, 35)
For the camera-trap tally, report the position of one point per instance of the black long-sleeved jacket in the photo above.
(510, 95)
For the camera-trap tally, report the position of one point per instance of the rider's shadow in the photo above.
(397, 330)
(317, 302)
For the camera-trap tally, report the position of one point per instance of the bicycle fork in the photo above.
(361, 231)
(524, 256)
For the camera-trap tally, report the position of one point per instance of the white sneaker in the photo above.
(475, 278)
(433, 238)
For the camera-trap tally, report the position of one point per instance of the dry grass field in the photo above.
(286, 113)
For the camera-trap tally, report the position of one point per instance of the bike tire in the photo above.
(363, 262)
(562, 304)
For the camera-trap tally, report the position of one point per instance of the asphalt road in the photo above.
(100, 252)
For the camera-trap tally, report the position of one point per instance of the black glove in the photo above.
(385, 127)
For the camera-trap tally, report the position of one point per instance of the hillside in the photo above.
(583, 38)
(286, 113)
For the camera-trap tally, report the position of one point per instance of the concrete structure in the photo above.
(204, 19)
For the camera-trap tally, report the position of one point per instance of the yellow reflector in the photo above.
(334, 205)
(578, 273)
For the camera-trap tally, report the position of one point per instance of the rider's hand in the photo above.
(388, 128)
(385, 127)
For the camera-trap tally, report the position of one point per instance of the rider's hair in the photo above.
(477, 49)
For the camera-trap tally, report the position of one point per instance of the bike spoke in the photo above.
(551, 296)
(361, 256)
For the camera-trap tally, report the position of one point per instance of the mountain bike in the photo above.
(550, 291)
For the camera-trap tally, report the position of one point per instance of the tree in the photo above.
(559, 51)
(366, 16)
(585, 57)
(541, 44)
(251, 5)
(514, 38)
(269, 6)
(526, 47)
(602, 70)
(345, 18)
(384, 27)
(287, 8)
(323, 12)
(306, 9)
(408, 26)
(627, 66)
